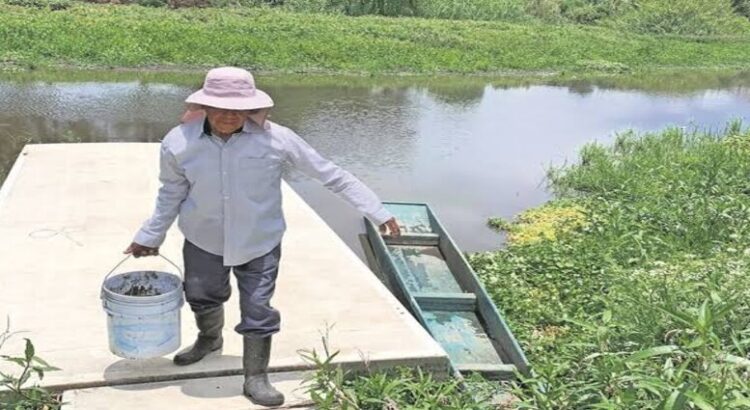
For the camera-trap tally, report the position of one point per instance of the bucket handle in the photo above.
(129, 255)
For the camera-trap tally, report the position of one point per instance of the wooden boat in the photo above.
(425, 270)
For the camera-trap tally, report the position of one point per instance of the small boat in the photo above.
(427, 272)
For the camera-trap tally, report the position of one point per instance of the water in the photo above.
(472, 151)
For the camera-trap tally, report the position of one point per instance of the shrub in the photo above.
(152, 3)
(348, 7)
(685, 17)
(511, 10)
(548, 10)
(311, 6)
(381, 7)
(592, 11)
(40, 4)
(742, 7)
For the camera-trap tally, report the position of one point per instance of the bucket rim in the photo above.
(143, 300)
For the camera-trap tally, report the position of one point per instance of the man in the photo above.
(221, 173)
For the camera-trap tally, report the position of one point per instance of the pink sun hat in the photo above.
(230, 88)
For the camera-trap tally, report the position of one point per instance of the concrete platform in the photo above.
(223, 393)
(67, 211)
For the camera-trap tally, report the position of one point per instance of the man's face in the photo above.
(226, 122)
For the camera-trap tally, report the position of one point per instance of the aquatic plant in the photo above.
(647, 303)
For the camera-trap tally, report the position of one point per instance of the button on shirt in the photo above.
(228, 194)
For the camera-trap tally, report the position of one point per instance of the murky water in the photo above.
(471, 152)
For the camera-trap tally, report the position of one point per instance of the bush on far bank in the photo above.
(687, 17)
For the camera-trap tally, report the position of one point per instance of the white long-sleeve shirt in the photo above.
(228, 194)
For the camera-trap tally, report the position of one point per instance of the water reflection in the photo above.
(470, 150)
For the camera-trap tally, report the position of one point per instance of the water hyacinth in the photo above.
(545, 223)
(640, 299)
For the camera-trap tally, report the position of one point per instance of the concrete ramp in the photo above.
(67, 211)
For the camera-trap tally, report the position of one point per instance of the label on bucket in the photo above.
(144, 337)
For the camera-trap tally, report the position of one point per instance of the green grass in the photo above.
(332, 388)
(630, 289)
(274, 40)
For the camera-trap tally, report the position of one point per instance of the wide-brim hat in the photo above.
(230, 88)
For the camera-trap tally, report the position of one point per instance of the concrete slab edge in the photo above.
(437, 365)
(12, 175)
(68, 400)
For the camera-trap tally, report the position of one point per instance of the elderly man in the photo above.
(220, 171)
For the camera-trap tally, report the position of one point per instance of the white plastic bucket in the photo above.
(143, 312)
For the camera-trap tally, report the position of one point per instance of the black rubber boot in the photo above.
(209, 339)
(256, 352)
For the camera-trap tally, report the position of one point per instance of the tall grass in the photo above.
(507, 10)
(332, 388)
(271, 39)
(642, 300)
(694, 17)
(686, 17)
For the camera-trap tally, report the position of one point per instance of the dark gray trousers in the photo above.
(207, 287)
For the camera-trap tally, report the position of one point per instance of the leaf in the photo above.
(675, 401)
(40, 361)
(680, 317)
(696, 343)
(741, 403)
(652, 384)
(698, 400)
(705, 316)
(737, 360)
(17, 360)
(654, 351)
(29, 350)
(607, 316)
(715, 297)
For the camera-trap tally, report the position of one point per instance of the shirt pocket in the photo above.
(260, 178)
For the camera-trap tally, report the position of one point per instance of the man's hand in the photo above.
(391, 226)
(139, 250)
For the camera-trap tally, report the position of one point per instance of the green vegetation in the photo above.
(688, 17)
(630, 289)
(698, 17)
(331, 388)
(572, 11)
(15, 394)
(272, 39)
